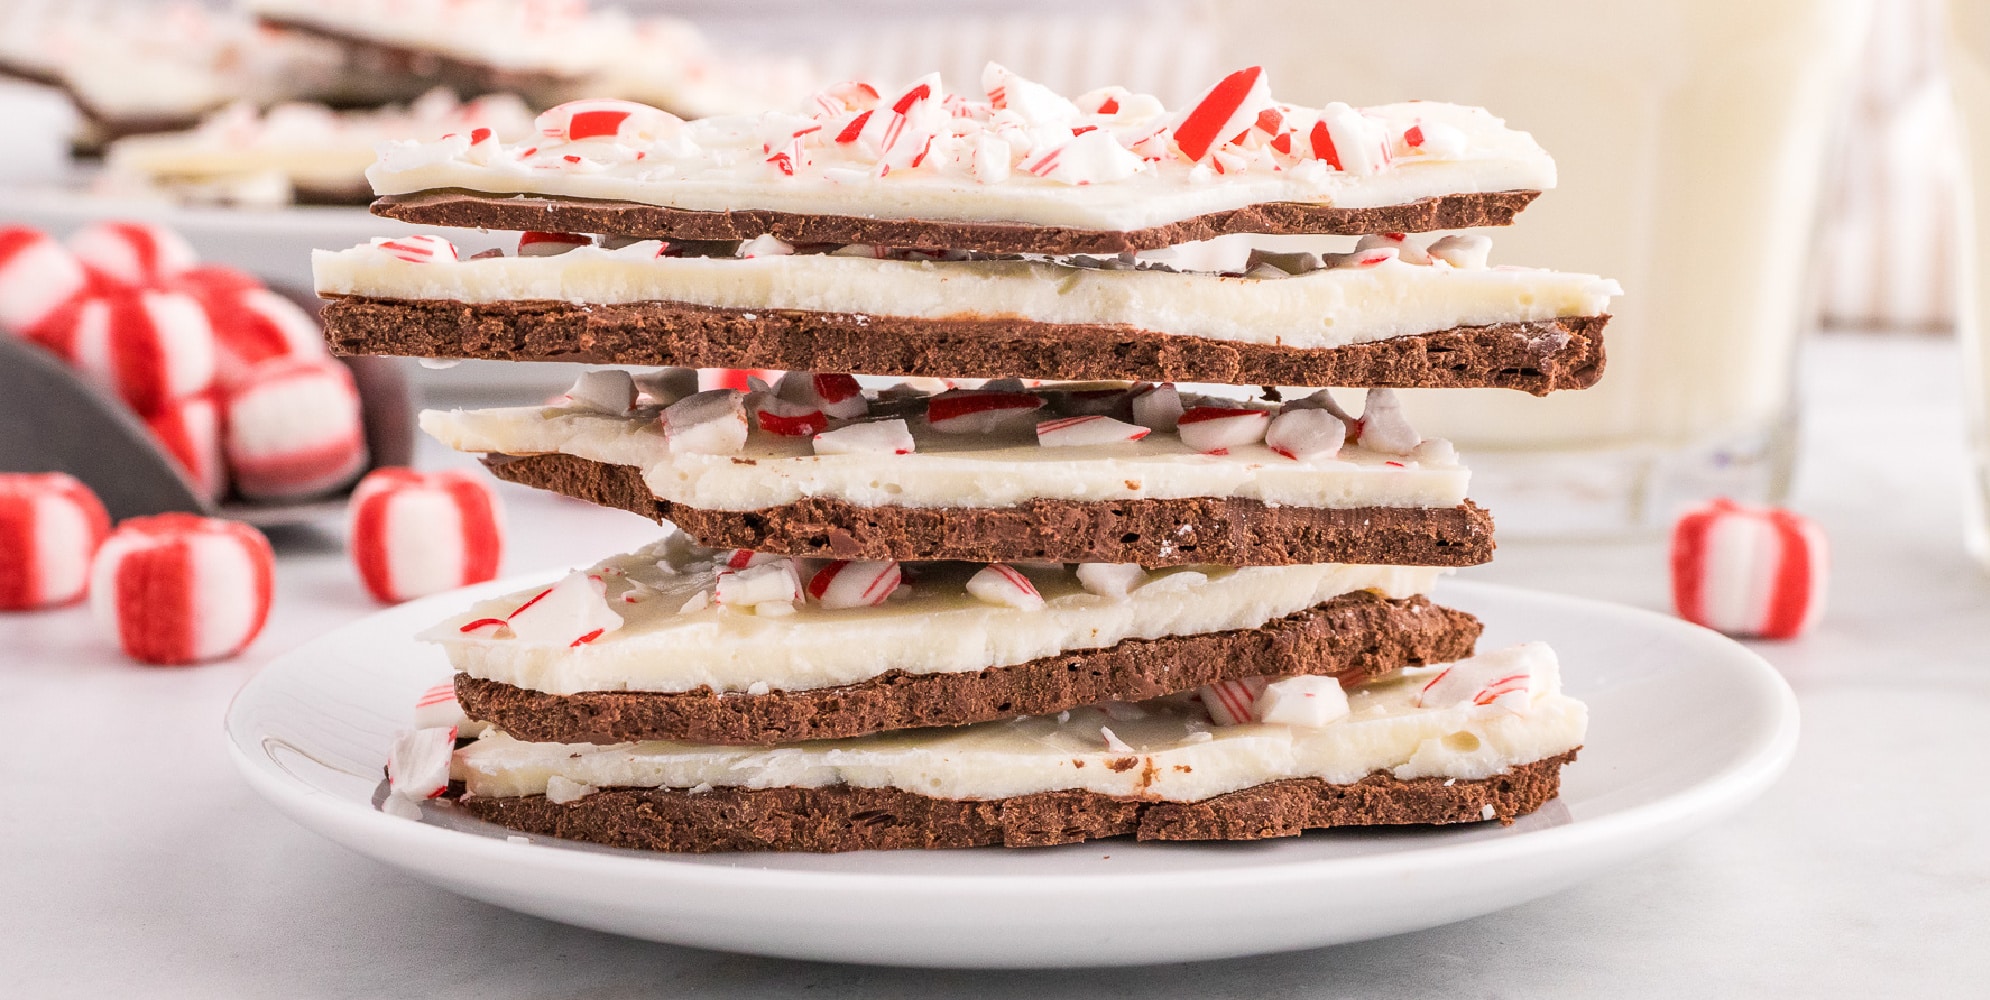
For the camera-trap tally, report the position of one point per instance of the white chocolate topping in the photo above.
(1319, 309)
(997, 469)
(1172, 751)
(1110, 161)
(677, 634)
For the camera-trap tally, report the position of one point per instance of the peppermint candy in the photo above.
(1467, 252)
(568, 615)
(666, 385)
(1305, 702)
(1435, 139)
(1031, 101)
(147, 347)
(1305, 434)
(420, 248)
(1407, 250)
(785, 419)
(50, 526)
(1081, 431)
(764, 245)
(251, 324)
(536, 244)
(293, 429)
(1004, 587)
(1383, 427)
(1093, 157)
(1233, 702)
(883, 437)
(437, 708)
(418, 762)
(1110, 580)
(177, 589)
(37, 275)
(608, 390)
(847, 584)
(1214, 430)
(1749, 571)
(189, 430)
(624, 122)
(132, 253)
(1507, 679)
(1158, 408)
(1348, 140)
(770, 588)
(980, 411)
(1222, 112)
(707, 423)
(837, 395)
(419, 533)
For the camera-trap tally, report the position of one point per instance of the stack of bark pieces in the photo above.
(966, 605)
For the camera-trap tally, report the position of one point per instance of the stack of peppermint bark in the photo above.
(980, 601)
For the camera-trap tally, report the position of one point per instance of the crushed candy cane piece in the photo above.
(1233, 702)
(979, 411)
(571, 612)
(1383, 426)
(1306, 702)
(712, 422)
(883, 437)
(848, 584)
(1111, 580)
(418, 762)
(1305, 434)
(1005, 587)
(1507, 678)
(1069, 432)
(607, 390)
(1216, 429)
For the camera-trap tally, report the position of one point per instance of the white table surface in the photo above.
(136, 863)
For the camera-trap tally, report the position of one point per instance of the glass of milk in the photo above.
(1692, 137)
(1969, 76)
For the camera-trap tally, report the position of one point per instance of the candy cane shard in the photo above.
(418, 762)
(848, 584)
(1383, 427)
(1224, 110)
(421, 248)
(1305, 434)
(764, 589)
(537, 244)
(1304, 702)
(836, 394)
(665, 386)
(1216, 429)
(1506, 679)
(568, 614)
(1110, 580)
(1231, 703)
(1003, 586)
(882, 437)
(707, 423)
(607, 390)
(1082, 431)
(980, 411)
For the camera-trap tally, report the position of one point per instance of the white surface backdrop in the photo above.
(137, 864)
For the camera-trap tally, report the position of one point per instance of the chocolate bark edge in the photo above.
(1537, 357)
(1229, 531)
(465, 209)
(844, 818)
(1353, 637)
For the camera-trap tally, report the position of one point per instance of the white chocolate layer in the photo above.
(936, 628)
(1322, 309)
(954, 470)
(720, 164)
(1176, 753)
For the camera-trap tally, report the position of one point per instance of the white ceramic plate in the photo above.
(1685, 727)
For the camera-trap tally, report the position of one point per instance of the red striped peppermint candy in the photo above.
(1307, 701)
(536, 244)
(292, 429)
(1232, 703)
(1508, 678)
(979, 411)
(606, 118)
(420, 248)
(1303, 434)
(735, 378)
(712, 422)
(37, 275)
(437, 708)
(881, 437)
(190, 431)
(1749, 571)
(1214, 430)
(1223, 111)
(134, 253)
(50, 526)
(418, 762)
(847, 584)
(1033, 102)
(1383, 427)
(251, 323)
(568, 614)
(1070, 432)
(420, 533)
(837, 395)
(785, 419)
(182, 589)
(147, 347)
(1348, 140)
(1004, 586)
(1158, 408)
(1090, 158)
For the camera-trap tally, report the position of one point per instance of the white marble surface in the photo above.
(137, 864)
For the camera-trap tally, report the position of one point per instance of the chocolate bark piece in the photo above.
(464, 209)
(1354, 637)
(425, 68)
(1536, 357)
(843, 818)
(1226, 531)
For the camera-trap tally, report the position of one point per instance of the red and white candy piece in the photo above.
(420, 248)
(1383, 426)
(1468, 251)
(1004, 587)
(148, 347)
(707, 423)
(1214, 430)
(882, 437)
(607, 390)
(420, 533)
(606, 118)
(1158, 408)
(1507, 678)
(418, 762)
(1223, 112)
(1113, 580)
(837, 395)
(537, 244)
(847, 584)
(251, 323)
(1092, 157)
(50, 526)
(437, 708)
(1408, 250)
(292, 429)
(979, 411)
(1033, 102)
(1232, 703)
(771, 588)
(742, 379)
(1307, 702)
(787, 419)
(666, 385)
(37, 275)
(179, 589)
(190, 432)
(1073, 432)
(134, 253)
(1757, 572)
(1348, 140)
(568, 614)
(1435, 139)
(1305, 433)
(764, 245)
(742, 558)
